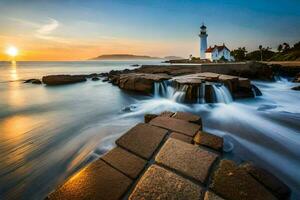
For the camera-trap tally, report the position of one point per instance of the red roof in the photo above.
(220, 48)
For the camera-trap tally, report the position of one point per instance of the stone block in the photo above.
(176, 125)
(126, 162)
(277, 187)
(159, 183)
(166, 114)
(96, 181)
(188, 117)
(149, 117)
(209, 140)
(211, 196)
(235, 183)
(186, 158)
(143, 139)
(182, 137)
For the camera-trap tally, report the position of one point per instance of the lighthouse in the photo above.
(203, 41)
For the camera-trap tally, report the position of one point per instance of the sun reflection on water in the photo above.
(13, 71)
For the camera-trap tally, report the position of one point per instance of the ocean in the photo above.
(48, 133)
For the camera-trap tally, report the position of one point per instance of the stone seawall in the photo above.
(170, 157)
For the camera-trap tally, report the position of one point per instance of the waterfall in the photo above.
(201, 93)
(222, 94)
(166, 89)
(179, 95)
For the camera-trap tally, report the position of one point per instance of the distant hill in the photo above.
(124, 57)
(173, 58)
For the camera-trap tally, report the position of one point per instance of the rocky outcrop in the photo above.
(238, 87)
(63, 79)
(138, 82)
(33, 81)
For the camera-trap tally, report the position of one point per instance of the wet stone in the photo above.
(166, 114)
(149, 117)
(176, 125)
(278, 188)
(211, 196)
(209, 140)
(159, 183)
(235, 183)
(186, 158)
(182, 137)
(187, 117)
(128, 163)
(96, 181)
(143, 139)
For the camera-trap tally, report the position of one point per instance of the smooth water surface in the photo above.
(47, 133)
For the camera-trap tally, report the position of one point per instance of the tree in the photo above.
(239, 54)
(286, 46)
(279, 48)
(297, 46)
(260, 47)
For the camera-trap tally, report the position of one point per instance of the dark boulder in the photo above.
(33, 81)
(296, 88)
(63, 79)
(95, 79)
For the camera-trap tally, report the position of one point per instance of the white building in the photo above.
(214, 53)
(217, 52)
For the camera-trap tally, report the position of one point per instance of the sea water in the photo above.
(48, 133)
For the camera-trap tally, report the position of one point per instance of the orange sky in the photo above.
(31, 48)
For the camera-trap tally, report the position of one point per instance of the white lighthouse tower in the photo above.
(203, 41)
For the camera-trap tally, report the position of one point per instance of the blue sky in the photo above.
(154, 27)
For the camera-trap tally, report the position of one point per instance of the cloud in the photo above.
(48, 28)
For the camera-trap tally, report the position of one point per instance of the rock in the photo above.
(33, 81)
(143, 139)
(105, 79)
(188, 117)
(279, 189)
(166, 114)
(211, 196)
(296, 87)
(134, 65)
(96, 181)
(138, 82)
(91, 75)
(159, 183)
(244, 83)
(232, 82)
(126, 162)
(36, 81)
(235, 183)
(149, 117)
(181, 137)
(63, 79)
(209, 140)
(176, 125)
(186, 158)
(95, 79)
(209, 94)
(297, 78)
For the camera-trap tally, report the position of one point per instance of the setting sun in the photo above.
(12, 51)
